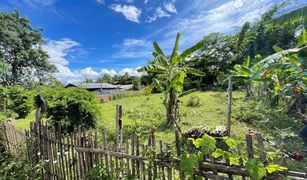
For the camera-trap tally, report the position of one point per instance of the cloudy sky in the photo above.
(86, 38)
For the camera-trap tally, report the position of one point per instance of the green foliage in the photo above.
(136, 84)
(193, 101)
(206, 144)
(271, 168)
(21, 51)
(12, 168)
(19, 101)
(98, 173)
(189, 163)
(171, 72)
(72, 107)
(255, 169)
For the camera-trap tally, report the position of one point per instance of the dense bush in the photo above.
(136, 84)
(193, 101)
(72, 107)
(19, 101)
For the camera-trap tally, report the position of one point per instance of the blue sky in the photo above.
(86, 38)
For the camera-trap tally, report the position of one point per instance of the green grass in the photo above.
(25, 123)
(144, 112)
(141, 113)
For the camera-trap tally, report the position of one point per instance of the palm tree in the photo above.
(171, 72)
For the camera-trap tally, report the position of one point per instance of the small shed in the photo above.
(99, 88)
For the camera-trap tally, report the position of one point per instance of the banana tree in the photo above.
(171, 72)
(282, 72)
(298, 15)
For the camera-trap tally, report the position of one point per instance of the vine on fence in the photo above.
(189, 162)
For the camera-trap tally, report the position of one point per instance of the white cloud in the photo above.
(131, 71)
(40, 2)
(198, 21)
(103, 2)
(111, 72)
(130, 1)
(58, 52)
(130, 12)
(146, 1)
(159, 13)
(170, 7)
(133, 48)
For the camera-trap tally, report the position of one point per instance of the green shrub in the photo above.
(19, 101)
(194, 101)
(136, 84)
(72, 107)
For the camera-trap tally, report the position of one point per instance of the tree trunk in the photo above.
(172, 109)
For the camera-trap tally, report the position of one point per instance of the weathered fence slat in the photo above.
(74, 155)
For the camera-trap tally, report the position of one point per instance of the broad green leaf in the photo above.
(234, 160)
(255, 169)
(217, 153)
(206, 143)
(247, 62)
(149, 88)
(157, 84)
(158, 49)
(174, 56)
(189, 163)
(296, 15)
(242, 70)
(185, 93)
(302, 38)
(230, 142)
(177, 81)
(271, 168)
(194, 72)
(188, 52)
(277, 49)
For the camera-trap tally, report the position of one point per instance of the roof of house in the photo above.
(93, 85)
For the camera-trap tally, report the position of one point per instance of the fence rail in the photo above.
(80, 153)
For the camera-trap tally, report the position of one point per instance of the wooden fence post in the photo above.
(119, 127)
(261, 147)
(249, 146)
(229, 103)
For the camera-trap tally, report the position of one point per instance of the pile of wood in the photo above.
(198, 132)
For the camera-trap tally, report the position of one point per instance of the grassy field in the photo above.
(144, 112)
(141, 113)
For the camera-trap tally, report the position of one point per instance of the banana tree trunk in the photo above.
(172, 109)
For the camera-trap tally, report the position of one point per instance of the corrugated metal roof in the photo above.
(94, 85)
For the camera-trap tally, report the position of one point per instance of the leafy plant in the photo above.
(171, 72)
(189, 162)
(72, 107)
(19, 101)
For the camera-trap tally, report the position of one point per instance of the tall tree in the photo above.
(20, 49)
(171, 72)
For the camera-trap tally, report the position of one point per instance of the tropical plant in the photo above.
(282, 73)
(171, 72)
(298, 15)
